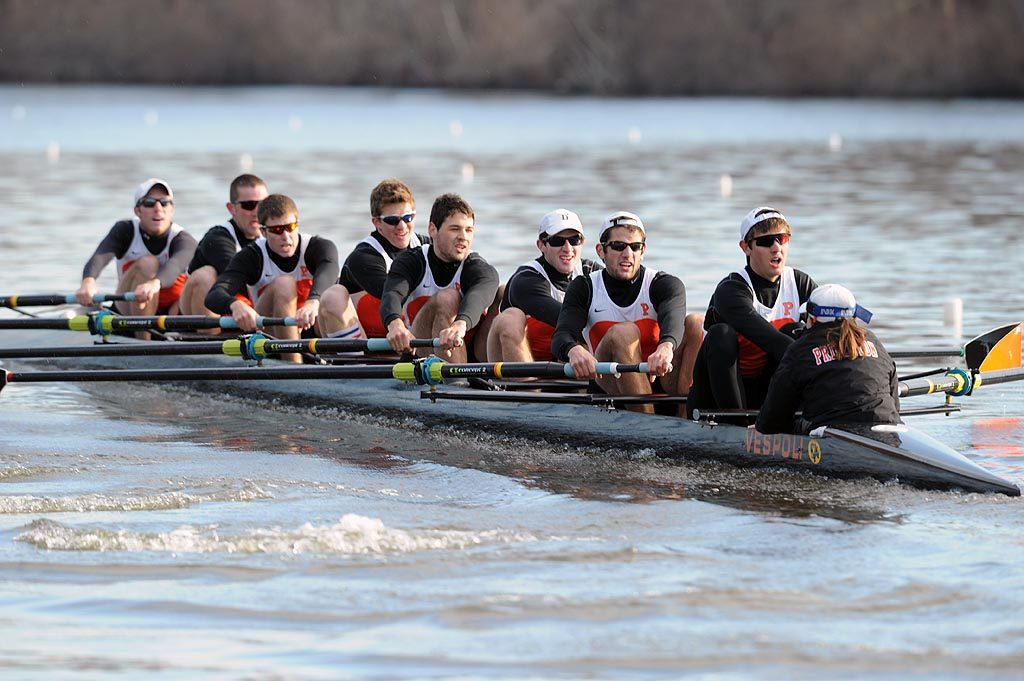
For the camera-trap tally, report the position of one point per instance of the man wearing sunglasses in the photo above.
(221, 242)
(284, 274)
(442, 288)
(627, 313)
(533, 294)
(752, 318)
(151, 252)
(393, 214)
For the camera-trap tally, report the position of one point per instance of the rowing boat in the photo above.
(899, 453)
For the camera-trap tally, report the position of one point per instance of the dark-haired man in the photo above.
(752, 318)
(284, 274)
(151, 251)
(221, 242)
(441, 289)
(627, 313)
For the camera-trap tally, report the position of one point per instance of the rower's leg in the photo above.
(484, 326)
(192, 301)
(437, 314)
(142, 270)
(681, 377)
(506, 341)
(280, 299)
(337, 317)
(622, 344)
(722, 353)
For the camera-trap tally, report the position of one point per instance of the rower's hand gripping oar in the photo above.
(104, 322)
(427, 371)
(62, 299)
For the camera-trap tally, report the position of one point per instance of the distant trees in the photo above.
(610, 47)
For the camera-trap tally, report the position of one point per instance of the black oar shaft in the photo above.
(60, 299)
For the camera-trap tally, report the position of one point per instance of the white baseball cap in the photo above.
(623, 218)
(831, 302)
(558, 220)
(757, 215)
(144, 188)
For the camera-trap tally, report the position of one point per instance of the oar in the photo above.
(256, 346)
(59, 299)
(104, 323)
(428, 371)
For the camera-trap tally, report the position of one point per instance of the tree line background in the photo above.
(900, 48)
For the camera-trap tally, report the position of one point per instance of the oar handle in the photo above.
(61, 299)
(261, 322)
(612, 369)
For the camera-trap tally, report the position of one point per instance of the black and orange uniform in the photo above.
(366, 269)
(417, 274)
(217, 247)
(127, 242)
(538, 289)
(748, 328)
(828, 390)
(314, 266)
(654, 301)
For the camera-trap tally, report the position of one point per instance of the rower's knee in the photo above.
(447, 301)
(510, 325)
(335, 298)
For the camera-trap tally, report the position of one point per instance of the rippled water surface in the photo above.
(179, 534)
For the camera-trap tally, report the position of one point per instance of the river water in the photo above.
(181, 535)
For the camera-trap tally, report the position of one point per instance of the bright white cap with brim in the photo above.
(623, 219)
(144, 188)
(558, 220)
(759, 214)
(833, 302)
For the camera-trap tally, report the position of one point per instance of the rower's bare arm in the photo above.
(86, 291)
(583, 363)
(244, 315)
(399, 336)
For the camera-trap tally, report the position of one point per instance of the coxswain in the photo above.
(753, 317)
(837, 373)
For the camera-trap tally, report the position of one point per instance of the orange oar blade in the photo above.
(995, 350)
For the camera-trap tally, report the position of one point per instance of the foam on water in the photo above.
(87, 503)
(352, 535)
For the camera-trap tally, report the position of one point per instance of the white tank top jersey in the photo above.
(271, 271)
(787, 305)
(138, 249)
(604, 313)
(539, 269)
(414, 242)
(428, 287)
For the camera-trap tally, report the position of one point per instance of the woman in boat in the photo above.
(836, 373)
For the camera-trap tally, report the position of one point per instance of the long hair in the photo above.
(848, 339)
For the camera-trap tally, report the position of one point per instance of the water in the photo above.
(180, 535)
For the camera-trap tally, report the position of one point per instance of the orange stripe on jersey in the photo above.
(538, 338)
(169, 296)
(752, 358)
(415, 306)
(368, 310)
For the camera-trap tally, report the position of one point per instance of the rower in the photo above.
(151, 251)
(393, 215)
(284, 274)
(752, 318)
(837, 372)
(628, 313)
(443, 288)
(533, 294)
(221, 242)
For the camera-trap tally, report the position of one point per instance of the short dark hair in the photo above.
(244, 180)
(276, 206)
(388, 191)
(445, 206)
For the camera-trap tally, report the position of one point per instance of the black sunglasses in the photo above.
(247, 205)
(767, 240)
(559, 241)
(281, 229)
(149, 202)
(635, 246)
(393, 220)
